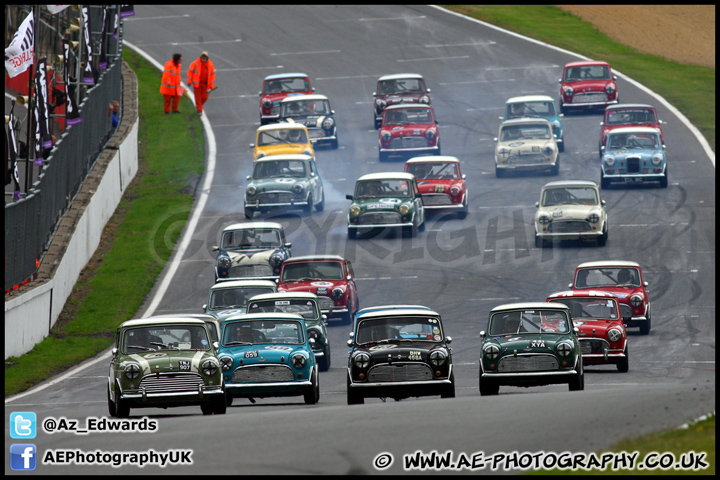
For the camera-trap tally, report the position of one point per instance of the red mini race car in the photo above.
(396, 89)
(588, 84)
(278, 86)
(628, 115)
(625, 281)
(441, 183)
(408, 129)
(602, 334)
(330, 277)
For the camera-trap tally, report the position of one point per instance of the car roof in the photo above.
(525, 120)
(149, 321)
(249, 225)
(433, 159)
(391, 307)
(567, 183)
(276, 76)
(406, 106)
(243, 283)
(281, 125)
(404, 312)
(285, 156)
(620, 130)
(585, 63)
(609, 263)
(307, 258)
(264, 316)
(529, 306)
(399, 76)
(583, 294)
(620, 106)
(283, 295)
(296, 98)
(387, 175)
(530, 98)
(199, 316)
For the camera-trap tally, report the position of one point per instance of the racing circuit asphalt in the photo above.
(460, 268)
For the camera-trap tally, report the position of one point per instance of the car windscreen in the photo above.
(382, 188)
(401, 86)
(165, 337)
(408, 116)
(303, 271)
(282, 136)
(248, 332)
(307, 309)
(528, 321)
(251, 238)
(569, 196)
(525, 132)
(629, 116)
(591, 308)
(439, 170)
(401, 328)
(607, 277)
(630, 141)
(279, 168)
(282, 85)
(530, 109)
(303, 108)
(236, 297)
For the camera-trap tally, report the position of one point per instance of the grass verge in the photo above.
(136, 243)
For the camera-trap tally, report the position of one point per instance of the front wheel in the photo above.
(664, 180)
(249, 212)
(307, 210)
(449, 391)
(602, 239)
(623, 364)
(312, 394)
(578, 382)
(352, 233)
(354, 398)
(488, 387)
(321, 206)
(555, 169)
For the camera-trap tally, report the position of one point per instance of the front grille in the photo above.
(263, 374)
(531, 159)
(401, 372)
(325, 303)
(529, 363)
(408, 142)
(592, 97)
(633, 164)
(254, 270)
(593, 345)
(174, 382)
(430, 199)
(569, 226)
(275, 197)
(379, 218)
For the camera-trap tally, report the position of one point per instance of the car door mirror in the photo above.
(537, 204)
(349, 197)
(252, 145)
(448, 339)
(288, 245)
(248, 178)
(482, 334)
(114, 352)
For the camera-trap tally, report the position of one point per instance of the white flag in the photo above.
(20, 54)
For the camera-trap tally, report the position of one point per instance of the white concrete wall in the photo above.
(30, 316)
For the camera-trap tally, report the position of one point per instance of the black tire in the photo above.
(354, 398)
(561, 146)
(307, 210)
(121, 408)
(645, 326)
(312, 394)
(321, 206)
(352, 233)
(449, 391)
(410, 231)
(111, 405)
(539, 242)
(207, 408)
(555, 170)
(228, 399)
(623, 364)
(602, 240)
(604, 183)
(383, 156)
(324, 361)
(664, 180)
(488, 387)
(578, 382)
(463, 213)
(249, 212)
(377, 123)
(334, 144)
(499, 172)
